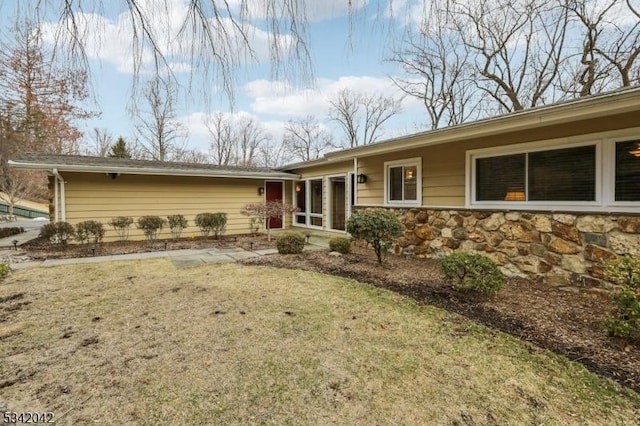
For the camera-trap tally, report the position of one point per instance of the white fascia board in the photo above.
(153, 171)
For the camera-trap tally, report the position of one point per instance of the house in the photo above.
(552, 191)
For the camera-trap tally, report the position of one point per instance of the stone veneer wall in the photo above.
(564, 249)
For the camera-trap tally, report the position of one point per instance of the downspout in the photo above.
(63, 207)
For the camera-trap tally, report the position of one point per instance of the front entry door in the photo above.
(273, 192)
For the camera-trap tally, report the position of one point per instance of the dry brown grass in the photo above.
(145, 343)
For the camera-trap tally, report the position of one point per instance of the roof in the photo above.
(590, 107)
(80, 163)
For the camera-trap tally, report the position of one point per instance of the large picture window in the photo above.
(403, 182)
(627, 171)
(567, 174)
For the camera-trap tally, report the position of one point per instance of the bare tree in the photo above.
(161, 135)
(610, 49)
(438, 71)
(101, 142)
(251, 136)
(518, 47)
(273, 154)
(361, 115)
(235, 140)
(305, 139)
(221, 136)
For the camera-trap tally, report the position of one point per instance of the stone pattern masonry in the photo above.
(563, 249)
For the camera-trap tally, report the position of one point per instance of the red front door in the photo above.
(274, 193)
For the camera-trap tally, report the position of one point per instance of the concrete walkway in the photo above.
(180, 258)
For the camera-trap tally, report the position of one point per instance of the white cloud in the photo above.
(314, 10)
(278, 98)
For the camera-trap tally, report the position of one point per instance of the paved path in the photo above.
(31, 227)
(180, 258)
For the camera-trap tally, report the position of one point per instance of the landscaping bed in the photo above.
(41, 248)
(569, 321)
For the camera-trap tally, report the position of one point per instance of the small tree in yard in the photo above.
(262, 212)
(378, 227)
(625, 271)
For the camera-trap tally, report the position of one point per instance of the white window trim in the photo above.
(407, 162)
(328, 194)
(307, 214)
(609, 168)
(605, 173)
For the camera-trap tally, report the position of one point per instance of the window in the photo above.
(301, 202)
(403, 182)
(308, 198)
(627, 171)
(555, 175)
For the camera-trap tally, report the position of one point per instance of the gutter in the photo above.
(150, 171)
(63, 208)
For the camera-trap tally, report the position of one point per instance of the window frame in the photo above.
(610, 170)
(604, 143)
(307, 214)
(407, 162)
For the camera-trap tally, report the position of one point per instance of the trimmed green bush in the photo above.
(208, 223)
(10, 232)
(340, 244)
(472, 272)
(4, 270)
(89, 229)
(177, 223)
(625, 271)
(378, 227)
(151, 226)
(121, 225)
(58, 232)
(290, 242)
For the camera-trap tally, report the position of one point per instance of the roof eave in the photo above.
(525, 120)
(151, 171)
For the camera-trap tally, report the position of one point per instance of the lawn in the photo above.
(145, 343)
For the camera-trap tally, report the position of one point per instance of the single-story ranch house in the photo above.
(552, 191)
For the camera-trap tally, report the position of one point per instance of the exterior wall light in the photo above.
(362, 178)
(261, 190)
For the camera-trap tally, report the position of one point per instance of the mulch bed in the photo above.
(569, 321)
(40, 248)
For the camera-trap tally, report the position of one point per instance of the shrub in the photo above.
(290, 242)
(625, 271)
(255, 224)
(177, 223)
(472, 272)
(340, 244)
(151, 226)
(121, 225)
(89, 229)
(4, 270)
(211, 222)
(378, 227)
(10, 232)
(58, 232)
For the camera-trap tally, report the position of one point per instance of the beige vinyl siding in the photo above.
(443, 166)
(95, 196)
(342, 167)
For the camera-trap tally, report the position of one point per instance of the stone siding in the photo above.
(563, 249)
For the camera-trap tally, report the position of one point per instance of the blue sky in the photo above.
(338, 61)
